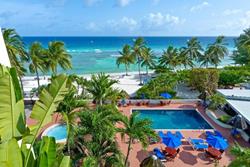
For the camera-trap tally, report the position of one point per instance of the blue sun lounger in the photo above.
(159, 154)
(195, 141)
(179, 135)
(200, 146)
(161, 134)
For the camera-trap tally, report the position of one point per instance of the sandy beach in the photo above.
(129, 83)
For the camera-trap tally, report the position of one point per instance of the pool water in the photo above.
(59, 132)
(174, 119)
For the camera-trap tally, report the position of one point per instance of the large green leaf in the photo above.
(10, 154)
(48, 102)
(11, 107)
(66, 162)
(47, 152)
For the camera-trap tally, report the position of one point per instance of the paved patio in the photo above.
(187, 156)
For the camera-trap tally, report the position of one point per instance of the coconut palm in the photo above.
(244, 39)
(137, 52)
(67, 109)
(136, 129)
(16, 50)
(100, 87)
(148, 59)
(170, 58)
(38, 60)
(126, 58)
(191, 53)
(96, 135)
(217, 50)
(206, 59)
(57, 56)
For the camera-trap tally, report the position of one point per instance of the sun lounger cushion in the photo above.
(196, 141)
(179, 135)
(159, 154)
(200, 146)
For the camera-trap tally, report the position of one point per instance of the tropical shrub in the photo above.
(224, 118)
(216, 100)
(162, 83)
(242, 157)
(230, 76)
(204, 80)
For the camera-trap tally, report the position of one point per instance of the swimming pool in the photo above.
(58, 131)
(174, 118)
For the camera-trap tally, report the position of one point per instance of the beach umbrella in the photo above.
(151, 161)
(166, 95)
(238, 122)
(217, 142)
(171, 141)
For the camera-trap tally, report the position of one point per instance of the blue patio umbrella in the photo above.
(217, 142)
(166, 95)
(171, 141)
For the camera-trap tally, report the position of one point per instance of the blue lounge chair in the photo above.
(195, 141)
(161, 134)
(208, 133)
(200, 146)
(159, 154)
(169, 134)
(179, 135)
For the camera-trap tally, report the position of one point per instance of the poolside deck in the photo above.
(187, 156)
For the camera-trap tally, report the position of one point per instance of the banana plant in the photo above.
(18, 141)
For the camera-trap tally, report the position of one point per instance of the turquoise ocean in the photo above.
(98, 54)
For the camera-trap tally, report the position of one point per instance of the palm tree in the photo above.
(100, 86)
(38, 60)
(191, 52)
(135, 128)
(148, 58)
(96, 135)
(244, 39)
(57, 56)
(206, 59)
(137, 52)
(170, 58)
(16, 50)
(67, 109)
(125, 58)
(217, 50)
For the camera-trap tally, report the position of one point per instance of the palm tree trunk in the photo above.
(147, 70)
(139, 69)
(38, 79)
(129, 148)
(126, 70)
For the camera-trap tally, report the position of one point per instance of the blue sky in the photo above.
(125, 17)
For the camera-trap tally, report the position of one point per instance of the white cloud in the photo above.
(235, 25)
(91, 2)
(125, 23)
(149, 23)
(231, 12)
(199, 6)
(123, 3)
(158, 20)
(92, 26)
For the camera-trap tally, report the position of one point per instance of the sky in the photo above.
(125, 17)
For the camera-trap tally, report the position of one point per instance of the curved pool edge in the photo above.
(51, 127)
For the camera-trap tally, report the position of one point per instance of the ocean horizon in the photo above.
(94, 54)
